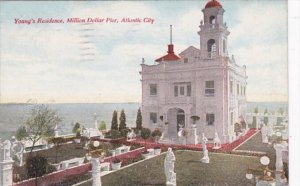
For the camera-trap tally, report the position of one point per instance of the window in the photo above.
(231, 87)
(210, 119)
(211, 46)
(209, 88)
(185, 60)
(189, 90)
(212, 20)
(237, 89)
(153, 89)
(153, 117)
(244, 90)
(176, 91)
(182, 90)
(231, 118)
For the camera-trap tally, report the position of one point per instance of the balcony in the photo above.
(180, 100)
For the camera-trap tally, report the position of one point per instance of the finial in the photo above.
(170, 34)
(143, 61)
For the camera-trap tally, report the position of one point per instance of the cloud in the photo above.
(258, 40)
(63, 63)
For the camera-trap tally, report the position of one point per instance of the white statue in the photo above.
(204, 141)
(264, 134)
(18, 150)
(6, 148)
(279, 162)
(217, 141)
(205, 158)
(56, 131)
(169, 167)
(131, 135)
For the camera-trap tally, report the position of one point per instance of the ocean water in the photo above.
(14, 115)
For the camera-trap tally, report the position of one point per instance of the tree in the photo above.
(266, 119)
(145, 134)
(41, 124)
(37, 166)
(102, 125)
(76, 127)
(156, 134)
(114, 121)
(254, 117)
(122, 120)
(58, 142)
(21, 133)
(139, 120)
(280, 119)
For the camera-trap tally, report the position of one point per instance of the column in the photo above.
(96, 172)
(6, 164)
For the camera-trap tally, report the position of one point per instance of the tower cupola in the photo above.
(213, 3)
(213, 31)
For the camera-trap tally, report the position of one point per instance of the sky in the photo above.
(100, 62)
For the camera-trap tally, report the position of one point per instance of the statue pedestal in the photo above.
(265, 183)
(6, 163)
(193, 137)
(96, 172)
(205, 158)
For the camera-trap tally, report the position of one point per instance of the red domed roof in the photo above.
(213, 3)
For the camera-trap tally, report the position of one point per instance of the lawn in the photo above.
(223, 169)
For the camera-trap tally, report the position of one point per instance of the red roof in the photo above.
(213, 3)
(170, 56)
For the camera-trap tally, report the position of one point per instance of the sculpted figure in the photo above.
(169, 165)
(217, 141)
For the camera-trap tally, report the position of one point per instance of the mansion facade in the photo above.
(203, 82)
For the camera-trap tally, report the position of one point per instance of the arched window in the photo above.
(224, 46)
(211, 45)
(212, 20)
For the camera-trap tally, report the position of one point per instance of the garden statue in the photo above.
(205, 158)
(217, 141)
(18, 150)
(264, 134)
(169, 168)
(279, 162)
(56, 131)
(131, 135)
(6, 148)
(204, 141)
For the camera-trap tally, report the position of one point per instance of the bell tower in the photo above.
(213, 32)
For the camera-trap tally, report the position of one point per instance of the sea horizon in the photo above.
(13, 115)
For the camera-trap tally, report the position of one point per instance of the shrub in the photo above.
(116, 160)
(195, 119)
(156, 133)
(145, 133)
(115, 134)
(76, 127)
(124, 132)
(37, 166)
(102, 125)
(135, 146)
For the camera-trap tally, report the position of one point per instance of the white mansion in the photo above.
(203, 82)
